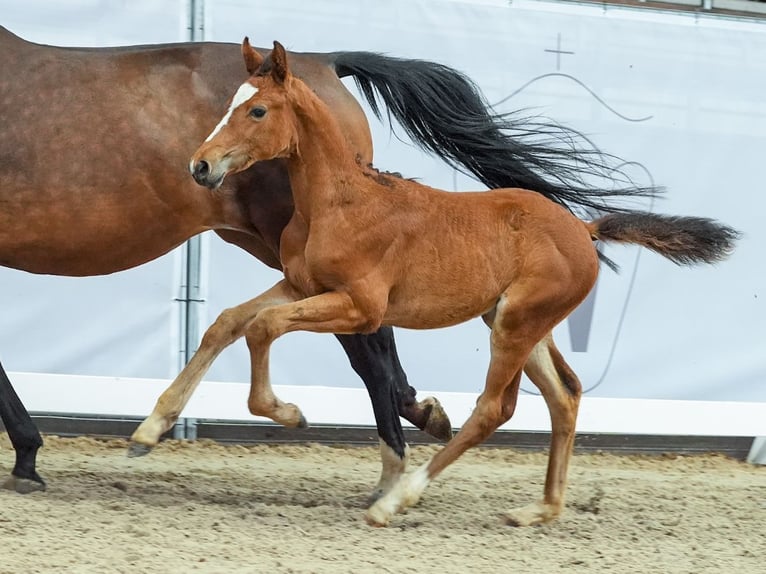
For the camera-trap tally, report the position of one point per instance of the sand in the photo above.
(205, 507)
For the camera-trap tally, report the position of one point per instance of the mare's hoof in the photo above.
(303, 423)
(136, 449)
(438, 424)
(23, 485)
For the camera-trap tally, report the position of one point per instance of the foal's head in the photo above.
(259, 125)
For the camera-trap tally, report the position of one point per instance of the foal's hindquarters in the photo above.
(555, 267)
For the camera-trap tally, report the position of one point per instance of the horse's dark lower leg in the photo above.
(24, 436)
(375, 360)
(428, 414)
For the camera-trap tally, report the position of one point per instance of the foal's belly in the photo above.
(438, 305)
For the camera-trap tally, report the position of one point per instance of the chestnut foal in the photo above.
(365, 249)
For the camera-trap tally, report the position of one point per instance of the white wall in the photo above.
(690, 87)
(124, 324)
(657, 331)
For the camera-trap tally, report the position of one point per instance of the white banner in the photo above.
(124, 324)
(679, 94)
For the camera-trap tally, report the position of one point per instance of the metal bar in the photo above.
(261, 433)
(190, 296)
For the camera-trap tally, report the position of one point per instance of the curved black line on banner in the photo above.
(578, 82)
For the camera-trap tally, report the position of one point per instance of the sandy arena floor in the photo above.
(278, 509)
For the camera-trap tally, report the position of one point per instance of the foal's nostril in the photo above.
(201, 170)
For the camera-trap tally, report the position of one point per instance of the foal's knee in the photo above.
(227, 328)
(261, 331)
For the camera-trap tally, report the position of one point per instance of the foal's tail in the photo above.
(683, 240)
(445, 113)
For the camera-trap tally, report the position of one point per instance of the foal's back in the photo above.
(450, 255)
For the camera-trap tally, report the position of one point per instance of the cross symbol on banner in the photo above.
(558, 51)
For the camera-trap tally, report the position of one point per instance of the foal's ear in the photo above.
(253, 59)
(279, 69)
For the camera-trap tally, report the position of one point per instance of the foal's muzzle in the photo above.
(203, 174)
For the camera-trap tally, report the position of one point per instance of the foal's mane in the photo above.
(383, 177)
(307, 94)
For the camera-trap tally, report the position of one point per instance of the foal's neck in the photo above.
(323, 166)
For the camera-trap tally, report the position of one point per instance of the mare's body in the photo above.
(94, 145)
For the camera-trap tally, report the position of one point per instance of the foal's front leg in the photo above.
(227, 328)
(332, 312)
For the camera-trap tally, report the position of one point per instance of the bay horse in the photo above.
(365, 249)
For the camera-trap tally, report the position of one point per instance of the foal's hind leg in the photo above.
(561, 390)
(227, 328)
(24, 436)
(522, 317)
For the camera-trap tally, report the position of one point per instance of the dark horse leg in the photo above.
(25, 439)
(375, 360)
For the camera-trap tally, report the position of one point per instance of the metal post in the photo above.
(758, 451)
(190, 295)
(196, 20)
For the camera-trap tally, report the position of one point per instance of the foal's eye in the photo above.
(258, 112)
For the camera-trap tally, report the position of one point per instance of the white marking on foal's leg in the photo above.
(393, 469)
(244, 93)
(404, 494)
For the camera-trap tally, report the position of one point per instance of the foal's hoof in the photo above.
(438, 424)
(136, 449)
(532, 514)
(375, 518)
(302, 423)
(23, 485)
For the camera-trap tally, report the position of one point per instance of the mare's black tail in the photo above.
(445, 113)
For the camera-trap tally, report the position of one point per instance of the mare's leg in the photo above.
(373, 357)
(24, 436)
(375, 360)
(227, 328)
(525, 313)
(561, 389)
(369, 360)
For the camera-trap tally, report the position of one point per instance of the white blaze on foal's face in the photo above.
(244, 93)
